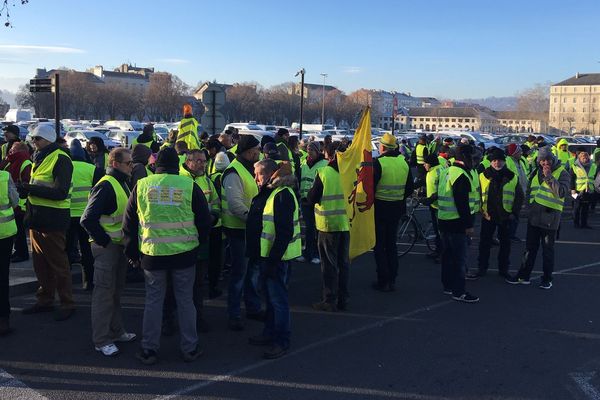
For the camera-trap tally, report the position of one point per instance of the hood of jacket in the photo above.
(140, 154)
(282, 177)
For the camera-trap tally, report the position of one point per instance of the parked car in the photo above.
(126, 125)
(125, 138)
(85, 136)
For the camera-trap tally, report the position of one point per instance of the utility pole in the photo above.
(323, 102)
(301, 73)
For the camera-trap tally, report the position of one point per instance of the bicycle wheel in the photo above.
(407, 235)
(430, 238)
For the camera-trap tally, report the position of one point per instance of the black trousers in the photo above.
(386, 251)
(215, 256)
(334, 251)
(433, 212)
(485, 244)
(535, 236)
(581, 209)
(5, 253)
(21, 248)
(76, 234)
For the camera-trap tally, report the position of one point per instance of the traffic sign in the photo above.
(212, 95)
(40, 82)
(41, 85)
(213, 122)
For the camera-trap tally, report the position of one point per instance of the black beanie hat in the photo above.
(432, 160)
(496, 154)
(167, 158)
(463, 152)
(246, 142)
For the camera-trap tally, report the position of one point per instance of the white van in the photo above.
(18, 115)
(126, 125)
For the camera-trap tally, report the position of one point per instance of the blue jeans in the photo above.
(243, 280)
(277, 322)
(454, 261)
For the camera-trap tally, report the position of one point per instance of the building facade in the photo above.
(313, 93)
(522, 122)
(435, 119)
(575, 105)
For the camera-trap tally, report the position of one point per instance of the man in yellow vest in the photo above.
(9, 199)
(583, 174)
(273, 237)
(417, 158)
(547, 191)
(48, 217)
(187, 131)
(434, 170)
(455, 218)
(85, 176)
(501, 202)
(281, 139)
(166, 219)
(333, 228)
(393, 184)
(519, 166)
(314, 162)
(561, 151)
(102, 220)
(238, 189)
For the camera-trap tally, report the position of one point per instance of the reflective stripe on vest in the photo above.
(584, 181)
(42, 175)
(210, 193)
(330, 213)
(420, 150)
(250, 190)
(446, 205)
(25, 164)
(164, 208)
(508, 192)
(188, 133)
(308, 176)
(113, 223)
(394, 173)
(474, 195)
(267, 237)
(431, 182)
(8, 226)
(83, 177)
(543, 195)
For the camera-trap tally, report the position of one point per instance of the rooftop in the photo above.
(468, 112)
(580, 79)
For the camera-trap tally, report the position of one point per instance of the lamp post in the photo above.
(301, 73)
(323, 102)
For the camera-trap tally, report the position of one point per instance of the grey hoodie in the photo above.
(544, 217)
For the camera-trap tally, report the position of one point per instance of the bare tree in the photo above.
(593, 121)
(4, 10)
(570, 121)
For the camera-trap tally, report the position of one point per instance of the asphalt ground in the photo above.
(519, 342)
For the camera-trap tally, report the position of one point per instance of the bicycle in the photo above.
(410, 230)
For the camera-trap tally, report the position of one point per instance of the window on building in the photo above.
(593, 99)
(564, 100)
(583, 109)
(453, 119)
(556, 99)
(563, 109)
(574, 99)
(460, 120)
(574, 89)
(574, 110)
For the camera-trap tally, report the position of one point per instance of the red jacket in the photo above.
(15, 160)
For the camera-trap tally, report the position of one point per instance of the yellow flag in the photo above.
(356, 175)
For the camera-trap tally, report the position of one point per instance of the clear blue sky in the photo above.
(448, 49)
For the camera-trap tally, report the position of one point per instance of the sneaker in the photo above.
(514, 280)
(126, 337)
(515, 239)
(109, 350)
(260, 340)
(37, 308)
(495, 242)
(275, 351)
(324, 306)
(214, 293)
(448, 291)
(316, 260)
(301, 259)
(193, 355)
(147, 357)
(466, 297)
(472, 276)
(63, 314)
(235, 324)
(545, 285)
(257, 316)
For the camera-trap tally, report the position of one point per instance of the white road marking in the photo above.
(576, 242)
(579, 335)
(13, 389)
(582, 379)
(563, 271)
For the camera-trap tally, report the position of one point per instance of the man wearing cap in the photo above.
(166, 219)
(48, 217)
(518, 165)
(271, 152)
(188, 129)
(501, 201)
(281, 139)
(417, 158)
(237, 192)
(314, 162)
(583, 175)
(547, 191)
(11, 135)
(393, 184)
(102, 220)
(456, 207)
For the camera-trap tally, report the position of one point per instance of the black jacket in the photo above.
(102, 201)
(202, 221)
(495, 208)
(49, 219)
(283, 220)
(460, 192)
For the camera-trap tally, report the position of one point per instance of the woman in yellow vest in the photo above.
(548, 189)
(9, 199)
(583, 175)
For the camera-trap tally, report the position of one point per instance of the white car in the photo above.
(85, 136)
(125, 138)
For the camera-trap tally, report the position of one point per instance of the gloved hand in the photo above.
(271, 269)
(23, 189)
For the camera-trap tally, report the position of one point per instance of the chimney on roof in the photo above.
(577, 75)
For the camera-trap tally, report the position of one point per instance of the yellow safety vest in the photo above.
(508, 192)
(83, 178)
(394, 173)
(267, 237)
(188, 133)
(543, 195)
(431, 182)
(474, 194)
(446, 206)
(250, 190)
(42, 175)
(164, 208)
(208, 188)
(420, 150)
(584, 182)
(330, 213)
(8, 226)
(23, 202)
(113, 223)
(307, 176)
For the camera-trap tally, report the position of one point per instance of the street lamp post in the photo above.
(301, 73)
(323, 102)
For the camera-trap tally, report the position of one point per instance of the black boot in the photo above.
(87, 277)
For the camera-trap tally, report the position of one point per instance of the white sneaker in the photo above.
(126, 337)
(316, 260)
(108, 350)
(301, 259)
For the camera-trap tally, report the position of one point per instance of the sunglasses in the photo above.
(128, 163)
(36, 138)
